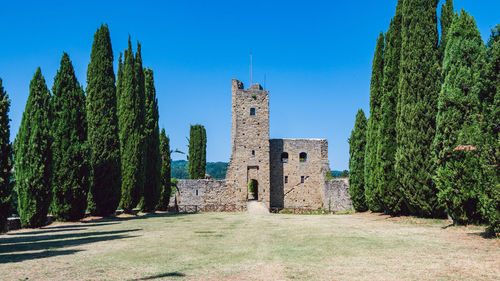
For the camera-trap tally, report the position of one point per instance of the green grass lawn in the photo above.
(239, 246)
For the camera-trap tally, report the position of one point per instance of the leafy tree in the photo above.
(456, 145)
(386, 182)
(152, 186)
(446, 19)
(5, 159)
(131, 109)
(104, 144)
(419, 83)
(166, 163)
(70, 177)
(372, 196)
(357, 148)
(197, 152)
(33, 155)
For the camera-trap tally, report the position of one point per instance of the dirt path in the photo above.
(257, 208)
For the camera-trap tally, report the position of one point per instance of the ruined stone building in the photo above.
(283, 173)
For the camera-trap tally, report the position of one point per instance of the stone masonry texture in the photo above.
(336, 196)
(290, 173)
(249, 142)
(298, 182)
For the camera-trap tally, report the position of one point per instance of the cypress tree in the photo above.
(119, 80)
(197, 152)
(357, 148)
(419, 84)
(33, 165)
(166, 163)
(372, 195)
(152, 186)
(490, 198)
(70, 177)
(104, 144)
(5, 159)
(141, 117)
(386, 182)
(456, 147)
(446, 19)
(131, 123)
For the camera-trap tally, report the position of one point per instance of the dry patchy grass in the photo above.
(238, 246)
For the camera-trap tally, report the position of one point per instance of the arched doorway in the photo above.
(253, 190)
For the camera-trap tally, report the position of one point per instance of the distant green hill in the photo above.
(216, 170)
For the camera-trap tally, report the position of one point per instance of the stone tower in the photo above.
(250, 157)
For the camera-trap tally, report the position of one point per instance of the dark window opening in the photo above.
(197, 192)
(252, 111)
(253, 152)
(303, 157)
(286, 179)
(301, 179)
(284, 157)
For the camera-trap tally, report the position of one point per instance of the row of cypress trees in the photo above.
(430, 146)
(76, 152)
(5, 158)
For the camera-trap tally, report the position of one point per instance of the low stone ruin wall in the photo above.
(206, 195)
(336, 196)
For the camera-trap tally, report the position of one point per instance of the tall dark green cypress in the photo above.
(419, 85)
(490, 101)
(33, 160)
(5, 159)
(446, 19)
(152, 186)
(197, 159)
(372, 195)
(456, 144)
(166, 163)
(386, 181)
(357, 149)
(70, 177)
(131, 124)
(104, 144)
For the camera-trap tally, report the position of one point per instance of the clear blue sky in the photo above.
(316, 56)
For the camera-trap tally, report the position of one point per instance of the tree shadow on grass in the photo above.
(162, 275)
(49, 248)
(484, 234)
(61, 228)
(27, 240)
(31, 256)
(447, 226)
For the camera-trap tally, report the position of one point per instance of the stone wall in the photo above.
(287, 188)
(336, 195)
(206, 195)
(249, 142)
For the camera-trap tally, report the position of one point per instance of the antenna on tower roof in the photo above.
(251, 72)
